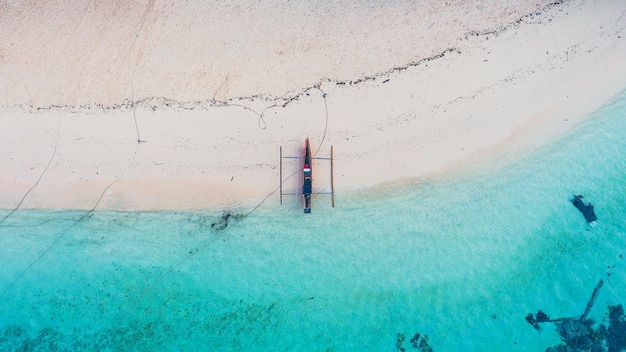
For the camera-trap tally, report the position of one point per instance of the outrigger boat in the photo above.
(307, 186)
(307, 177)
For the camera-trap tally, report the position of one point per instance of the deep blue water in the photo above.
(462, 260)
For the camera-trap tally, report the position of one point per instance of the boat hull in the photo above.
(307, 172)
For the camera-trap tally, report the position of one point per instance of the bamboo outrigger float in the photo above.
(307, 177)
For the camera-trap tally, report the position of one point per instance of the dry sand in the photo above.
(402, 91)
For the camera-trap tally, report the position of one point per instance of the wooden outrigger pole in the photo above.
(306, 190)
(281, 175)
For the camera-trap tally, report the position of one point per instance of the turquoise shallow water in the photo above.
(461, 260)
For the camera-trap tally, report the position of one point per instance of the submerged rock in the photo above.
(533, 320)
(424, 346)
(414, 340)
(542, 317)
(399, 341)
(418, 342)
(616, 332)
(586, 209)
(579, 335)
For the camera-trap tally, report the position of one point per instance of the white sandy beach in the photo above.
(503, 79)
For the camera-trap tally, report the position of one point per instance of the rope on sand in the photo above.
(84, 217)
(54, 151)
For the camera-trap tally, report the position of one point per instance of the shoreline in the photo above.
(495, 95)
